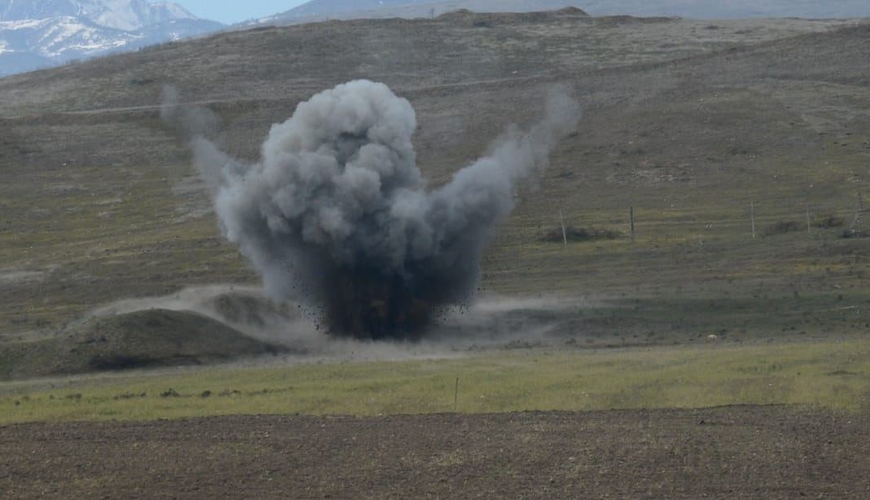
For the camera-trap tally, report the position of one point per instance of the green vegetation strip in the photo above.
(828, 374)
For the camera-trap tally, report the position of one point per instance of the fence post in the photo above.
(631, 215)
(807, 208)
(857, 217)
(456, 394)
(752, 217)
(564, 234)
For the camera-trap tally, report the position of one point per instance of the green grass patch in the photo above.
(827, 374)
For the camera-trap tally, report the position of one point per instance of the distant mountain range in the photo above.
(323, 8)
(41, 33)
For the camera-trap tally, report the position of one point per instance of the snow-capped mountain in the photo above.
(40, 33)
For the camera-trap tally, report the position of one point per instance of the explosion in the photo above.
(336, 212)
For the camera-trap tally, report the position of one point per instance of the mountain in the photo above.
(40, 33)
(319, 10)
(332, 7)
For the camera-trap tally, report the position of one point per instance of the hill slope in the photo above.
(318, 10)
(322, 10)
(732, 9)
(703, 128)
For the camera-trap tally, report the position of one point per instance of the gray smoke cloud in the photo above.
(336, 210)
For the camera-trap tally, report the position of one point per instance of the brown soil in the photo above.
(734, 452)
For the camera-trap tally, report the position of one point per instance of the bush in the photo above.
(828, 221)
(781, 227)
(579, 235)
(851, 233)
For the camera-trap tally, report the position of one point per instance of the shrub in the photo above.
(579, 235)
(828, 221)
(781, 227)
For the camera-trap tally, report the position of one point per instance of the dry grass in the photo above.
(834, 375)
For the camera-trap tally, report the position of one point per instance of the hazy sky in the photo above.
(233, 12)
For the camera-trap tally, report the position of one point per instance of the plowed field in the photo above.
(771, 452)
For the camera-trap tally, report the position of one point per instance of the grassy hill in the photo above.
(695, 125)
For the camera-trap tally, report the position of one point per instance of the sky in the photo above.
(232, 12)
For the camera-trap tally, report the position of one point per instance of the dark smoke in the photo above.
(335, 211)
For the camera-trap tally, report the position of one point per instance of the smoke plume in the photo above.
(336, 211)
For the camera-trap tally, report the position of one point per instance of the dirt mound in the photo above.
(237, 308)
(140, 339)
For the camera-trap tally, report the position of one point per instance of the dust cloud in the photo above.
(336, 211)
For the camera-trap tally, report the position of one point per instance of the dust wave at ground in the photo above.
(489, 322)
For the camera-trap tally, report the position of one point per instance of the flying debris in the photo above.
(336, 211)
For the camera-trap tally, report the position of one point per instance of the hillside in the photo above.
(320, 10)
(732, 9)
(324, 10)
(698, 126)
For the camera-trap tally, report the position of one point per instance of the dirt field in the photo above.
(771, 452)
